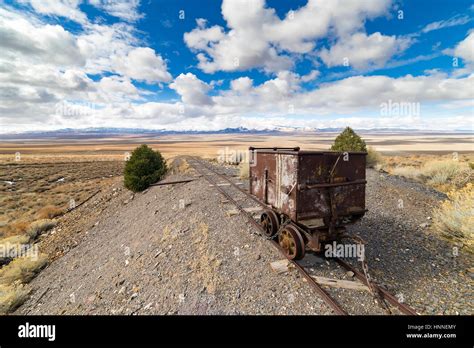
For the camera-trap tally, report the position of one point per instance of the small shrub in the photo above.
(454, 219)
(144, 168)
(409, 172)
(22, 269)
(348, 140)
(373, 158)
(444, 172)
(49, 212)
(40, 226)
(12, 296)
(11, 247)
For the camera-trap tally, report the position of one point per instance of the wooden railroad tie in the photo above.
(248, 210)
(225, 184)
(283, 266)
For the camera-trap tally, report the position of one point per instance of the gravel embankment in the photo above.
(151, 257)
(148, 255)
(405, 255)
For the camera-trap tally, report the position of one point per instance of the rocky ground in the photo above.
(175, 250)
(405, 255)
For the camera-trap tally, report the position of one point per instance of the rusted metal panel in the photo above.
(336, 171)
(263, 177)
(309, 185)
(286, 184)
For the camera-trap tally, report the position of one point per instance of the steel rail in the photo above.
(384, 293)
(325, 295)
(405, 309)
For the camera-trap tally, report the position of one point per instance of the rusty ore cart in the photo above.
(310, 195)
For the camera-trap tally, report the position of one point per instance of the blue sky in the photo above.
(212, 64)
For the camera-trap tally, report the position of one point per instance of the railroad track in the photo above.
(215, 179)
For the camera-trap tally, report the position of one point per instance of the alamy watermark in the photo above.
(64, 108)
(345, 250)
(11, 251)
(236, 156)
(394, 108)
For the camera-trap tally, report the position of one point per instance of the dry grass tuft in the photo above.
(16, 228)
(12, 247)
(22, 269)
(409, 172)
(374, 158)
(443, 175)
(40, 226)
(12, 296)
(445, 172)
(49, 212)
(19, 239)
(205, 264)
(454, 219)
(179, 166)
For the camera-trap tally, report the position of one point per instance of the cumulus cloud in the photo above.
(93, 71)
(44, 65)
(36, 42)
(362, 51)
(465, 49)
(258, 38)
(191, 89)
(116, 88)
(142, 64)
(242, 84)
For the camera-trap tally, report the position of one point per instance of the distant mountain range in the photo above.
(107, 132)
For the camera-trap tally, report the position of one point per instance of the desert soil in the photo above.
(124, 253)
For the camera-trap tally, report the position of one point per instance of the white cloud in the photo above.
(142, 64)
(114, 48)
(242, 84)
(63, 8)
(465, 49)
(127, 10)
(451, 22)
(258, 38)
(362, 51)
(43, 64)
(100, 43)
(116, 88)
(312, 75)
(191, 89)
(123, 9)
(35, 42)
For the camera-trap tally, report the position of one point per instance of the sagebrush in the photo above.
(454, 219)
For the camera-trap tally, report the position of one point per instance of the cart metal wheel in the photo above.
(270, 223)
(292, 242)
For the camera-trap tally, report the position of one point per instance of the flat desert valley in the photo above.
(210, 145)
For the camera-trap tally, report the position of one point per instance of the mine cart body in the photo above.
(314, 189)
